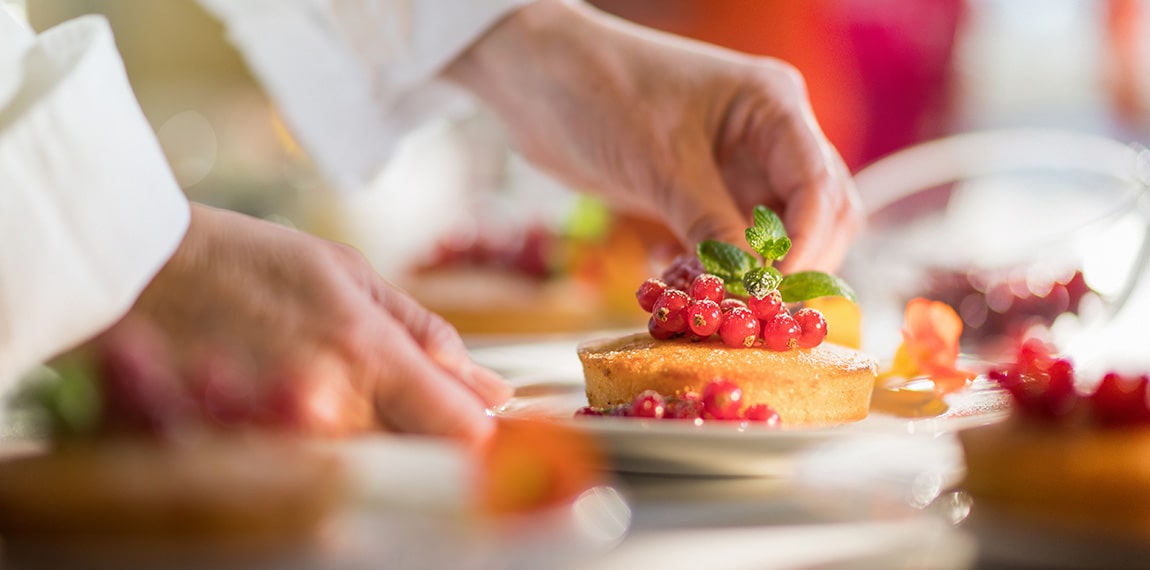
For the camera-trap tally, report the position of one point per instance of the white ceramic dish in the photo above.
(669, 447)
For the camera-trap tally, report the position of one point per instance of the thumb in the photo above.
(699, 207)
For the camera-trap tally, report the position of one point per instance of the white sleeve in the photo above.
(89, 210)
(351, 76)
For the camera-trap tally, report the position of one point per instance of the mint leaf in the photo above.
(735, 288)
(725, 260)
(760, 281)
(768, 237)
(811, 284)
(769, 222)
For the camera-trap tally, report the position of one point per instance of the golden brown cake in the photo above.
(1066, 460)
(823, 385)
(234, 488)
(1076, 477)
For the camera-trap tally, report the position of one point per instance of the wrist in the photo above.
(528, 30)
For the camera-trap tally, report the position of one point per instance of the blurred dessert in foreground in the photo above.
(1065, 460)
(135, 452)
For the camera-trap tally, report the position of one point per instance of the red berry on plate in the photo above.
(704, 317)
(658, 332)
(739, 328)
(671, 310)
(649, 292)
(731, 303)
(781, 332)
(689, 406)
(619, 411)
(761, 413)
(707, 286)
(812, 327)
(648, 404)
(722, 399)
(766, 307)
(588, 411)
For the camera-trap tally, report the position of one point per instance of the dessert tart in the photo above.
(825, 384)
(722, 343)
(1064, 461)
(133, 452)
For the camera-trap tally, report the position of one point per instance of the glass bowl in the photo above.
(1021, 231)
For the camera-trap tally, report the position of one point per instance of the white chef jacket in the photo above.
(89, 210)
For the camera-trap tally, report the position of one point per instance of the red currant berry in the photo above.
(812, 327)
(618, 411)
(588, 411)
(1119, 400)
(781, 332)
(707, 286)
(766, 307)
(722, 399)
(1059, 396)
(704, 317)
(649, 292)
(671, 310)
(682, 271)
(658, 332)
(648, 404)
(689, 406)
(763, 414)
(731, 303)
(739, 328)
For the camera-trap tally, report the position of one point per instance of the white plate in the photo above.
(727, 448)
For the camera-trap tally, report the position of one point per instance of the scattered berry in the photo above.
(766, 307)
(704, 317)
(781, 332)
(689, 406)
(739, 328)
(648, 404)
(722, 399)
(671, 310)
(812, 327)
(761, 413)
(620, 411)
(649, 292)
(707, 286)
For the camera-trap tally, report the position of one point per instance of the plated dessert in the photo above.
(131, 452)
(723, 344)
(1066, 460)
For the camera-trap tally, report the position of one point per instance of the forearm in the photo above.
(88, 208)
(352, 76)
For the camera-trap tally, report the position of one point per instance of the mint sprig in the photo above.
(744, 274)
(768, 237)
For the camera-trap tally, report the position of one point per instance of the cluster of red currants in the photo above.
(720, 400)
(702, 309)
(1043, 386)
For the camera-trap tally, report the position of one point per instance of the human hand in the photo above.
(291, 315)
(683, 131)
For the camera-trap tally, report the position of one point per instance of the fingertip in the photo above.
(494, 390)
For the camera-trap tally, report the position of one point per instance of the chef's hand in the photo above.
(690, 133)
(312, 318)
